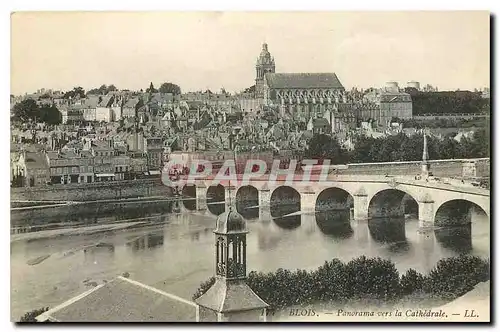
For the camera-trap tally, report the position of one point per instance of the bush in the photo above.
(30, 316)
(372, 277)
(362, 277)
(330, 281)
(412, 282)
(455, 276)
(203, 288)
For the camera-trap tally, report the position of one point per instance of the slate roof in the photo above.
(106, 101)
(303, 81)
(320, 122)
(131, 103)
(227, 296)
(395, 97)
(91, 102)
(123, 300)
(36, 160)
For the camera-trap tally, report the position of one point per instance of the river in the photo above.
(174, 252)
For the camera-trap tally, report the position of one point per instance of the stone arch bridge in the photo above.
(368, 196)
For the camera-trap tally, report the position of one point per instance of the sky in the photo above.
(211, 50)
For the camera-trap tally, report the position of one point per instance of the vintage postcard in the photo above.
(250, 166)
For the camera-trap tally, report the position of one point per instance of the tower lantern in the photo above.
(230, 299)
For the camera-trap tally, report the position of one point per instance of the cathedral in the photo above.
(306, 96)
(303, 95)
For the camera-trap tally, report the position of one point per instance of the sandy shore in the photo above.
(74, 231)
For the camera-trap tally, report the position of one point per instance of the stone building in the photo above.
(391, 103)
(265, 64)
(303, 94)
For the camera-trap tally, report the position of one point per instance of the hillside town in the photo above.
(107, 134)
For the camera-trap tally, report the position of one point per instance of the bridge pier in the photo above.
(230, 196)
(360, 206)
(265, 213)
(426, 212)
(264, 197)
(201, 197)
(308, 201)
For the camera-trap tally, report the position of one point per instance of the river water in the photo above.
(174, 252)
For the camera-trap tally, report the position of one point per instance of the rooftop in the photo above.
(303, 80)
(227, 296)
(122, 300)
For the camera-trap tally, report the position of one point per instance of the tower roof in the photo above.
(230, 222)
(230, 296)
(265, 57)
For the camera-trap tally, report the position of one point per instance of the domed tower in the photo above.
(264, 65)
(230, 298)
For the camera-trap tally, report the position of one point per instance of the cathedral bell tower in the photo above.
(230, 299)
(264, 65)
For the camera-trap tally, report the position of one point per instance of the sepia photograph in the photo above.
(255, 167)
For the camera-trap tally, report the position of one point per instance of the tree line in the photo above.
(29, 111)
(448, 102)
(399, 147)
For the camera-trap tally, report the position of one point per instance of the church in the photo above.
(304, 95)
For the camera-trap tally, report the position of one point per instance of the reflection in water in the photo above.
(291, 222)
(335, 224)
(458, 239)
(279, 214)
(149, 241)
(189, 197)
(216, 197)
(247, 201)
(267, 240)
(389, 231)
(248, 209)
(216, 208)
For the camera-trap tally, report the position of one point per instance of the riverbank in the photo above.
(91, 191)
(412, 309)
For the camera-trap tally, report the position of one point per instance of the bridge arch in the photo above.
(216, 199)
(334, 199)
(188, 193)
(284, 200)
(457, 212)
(247, 201)
(392, 203)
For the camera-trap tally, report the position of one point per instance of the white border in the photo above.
(144, 5)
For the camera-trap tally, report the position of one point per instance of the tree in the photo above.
(50, 115)
(170, 88)
(151, 88)
(250, 89)
(322, 146)
(76, 92)
(30, 316)
(26, 110)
